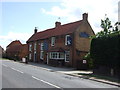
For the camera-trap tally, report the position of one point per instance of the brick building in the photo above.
(16, 50)
(1, 52)
(63, 45)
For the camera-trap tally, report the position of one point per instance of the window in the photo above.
(61, 55)
(67, 56)
(84, 35)
(35, 45)
(30, 47)
(57, 55)
(42, 52)
(53, 41)
(30, 56)
(42, 46)
(68, 40)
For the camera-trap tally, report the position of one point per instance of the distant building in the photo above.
(64, 45)
(16, 50)
(1, 52)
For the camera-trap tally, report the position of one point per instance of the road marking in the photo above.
(17, 70)
(45, 82)
(4, 65)
(36, 78)
(49, 83)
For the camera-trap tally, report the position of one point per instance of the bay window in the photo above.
(57, 55)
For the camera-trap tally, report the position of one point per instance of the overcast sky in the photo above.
(18, 19)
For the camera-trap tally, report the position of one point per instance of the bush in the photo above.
(105, 51)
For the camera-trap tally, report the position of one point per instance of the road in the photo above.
(19, 75)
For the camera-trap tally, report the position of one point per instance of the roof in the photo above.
(13, 43)
(59, 30)
(15, 48)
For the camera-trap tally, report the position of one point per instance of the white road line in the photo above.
(49, 83)
(4, 65)
(36, 78)
(17, 70)
(46, 82)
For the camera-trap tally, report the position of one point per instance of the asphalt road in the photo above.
(19, 75)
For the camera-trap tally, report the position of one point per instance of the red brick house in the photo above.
(63, 45)
(16, 50)
(2, 52)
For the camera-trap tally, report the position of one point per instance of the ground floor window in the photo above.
(30, 56)
(67, 56)
(41, 54)
(57, 55)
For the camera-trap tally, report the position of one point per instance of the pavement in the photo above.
(72, 72)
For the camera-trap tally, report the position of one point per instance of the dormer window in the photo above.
(68, 40)
(52, 41)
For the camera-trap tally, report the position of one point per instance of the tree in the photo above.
(106, 25)
(116, 29)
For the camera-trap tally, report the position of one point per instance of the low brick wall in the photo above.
(54, 62)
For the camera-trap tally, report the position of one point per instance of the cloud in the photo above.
(96, 9)
(11, 36)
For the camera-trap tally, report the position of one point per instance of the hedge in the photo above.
(105, 51)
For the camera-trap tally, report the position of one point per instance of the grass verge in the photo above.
(112, 79)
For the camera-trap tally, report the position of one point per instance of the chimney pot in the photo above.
(85, 16)
(57, 24)
(35, 30)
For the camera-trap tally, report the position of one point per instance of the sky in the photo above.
(18, 18)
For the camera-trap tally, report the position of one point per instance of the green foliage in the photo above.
(106, 25)
(106, 51)
(89, 60)
(105, 46)
(108, 29)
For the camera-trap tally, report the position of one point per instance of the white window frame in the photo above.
(30, 47)
(42, 52)
(30, 56)
(35, 46)
(52, 41)
(66, 56)
(57, 55)
(66, 39)
(42, 47)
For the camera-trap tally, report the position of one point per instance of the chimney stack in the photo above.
(57, 24)
(35, 30)
(85, 16)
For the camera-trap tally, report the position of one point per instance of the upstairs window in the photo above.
(84, 35)
(35, 45)
(42, 47)
(68, 40)
(53, 41)
(30, 47)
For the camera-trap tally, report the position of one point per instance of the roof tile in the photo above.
(61, 30)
